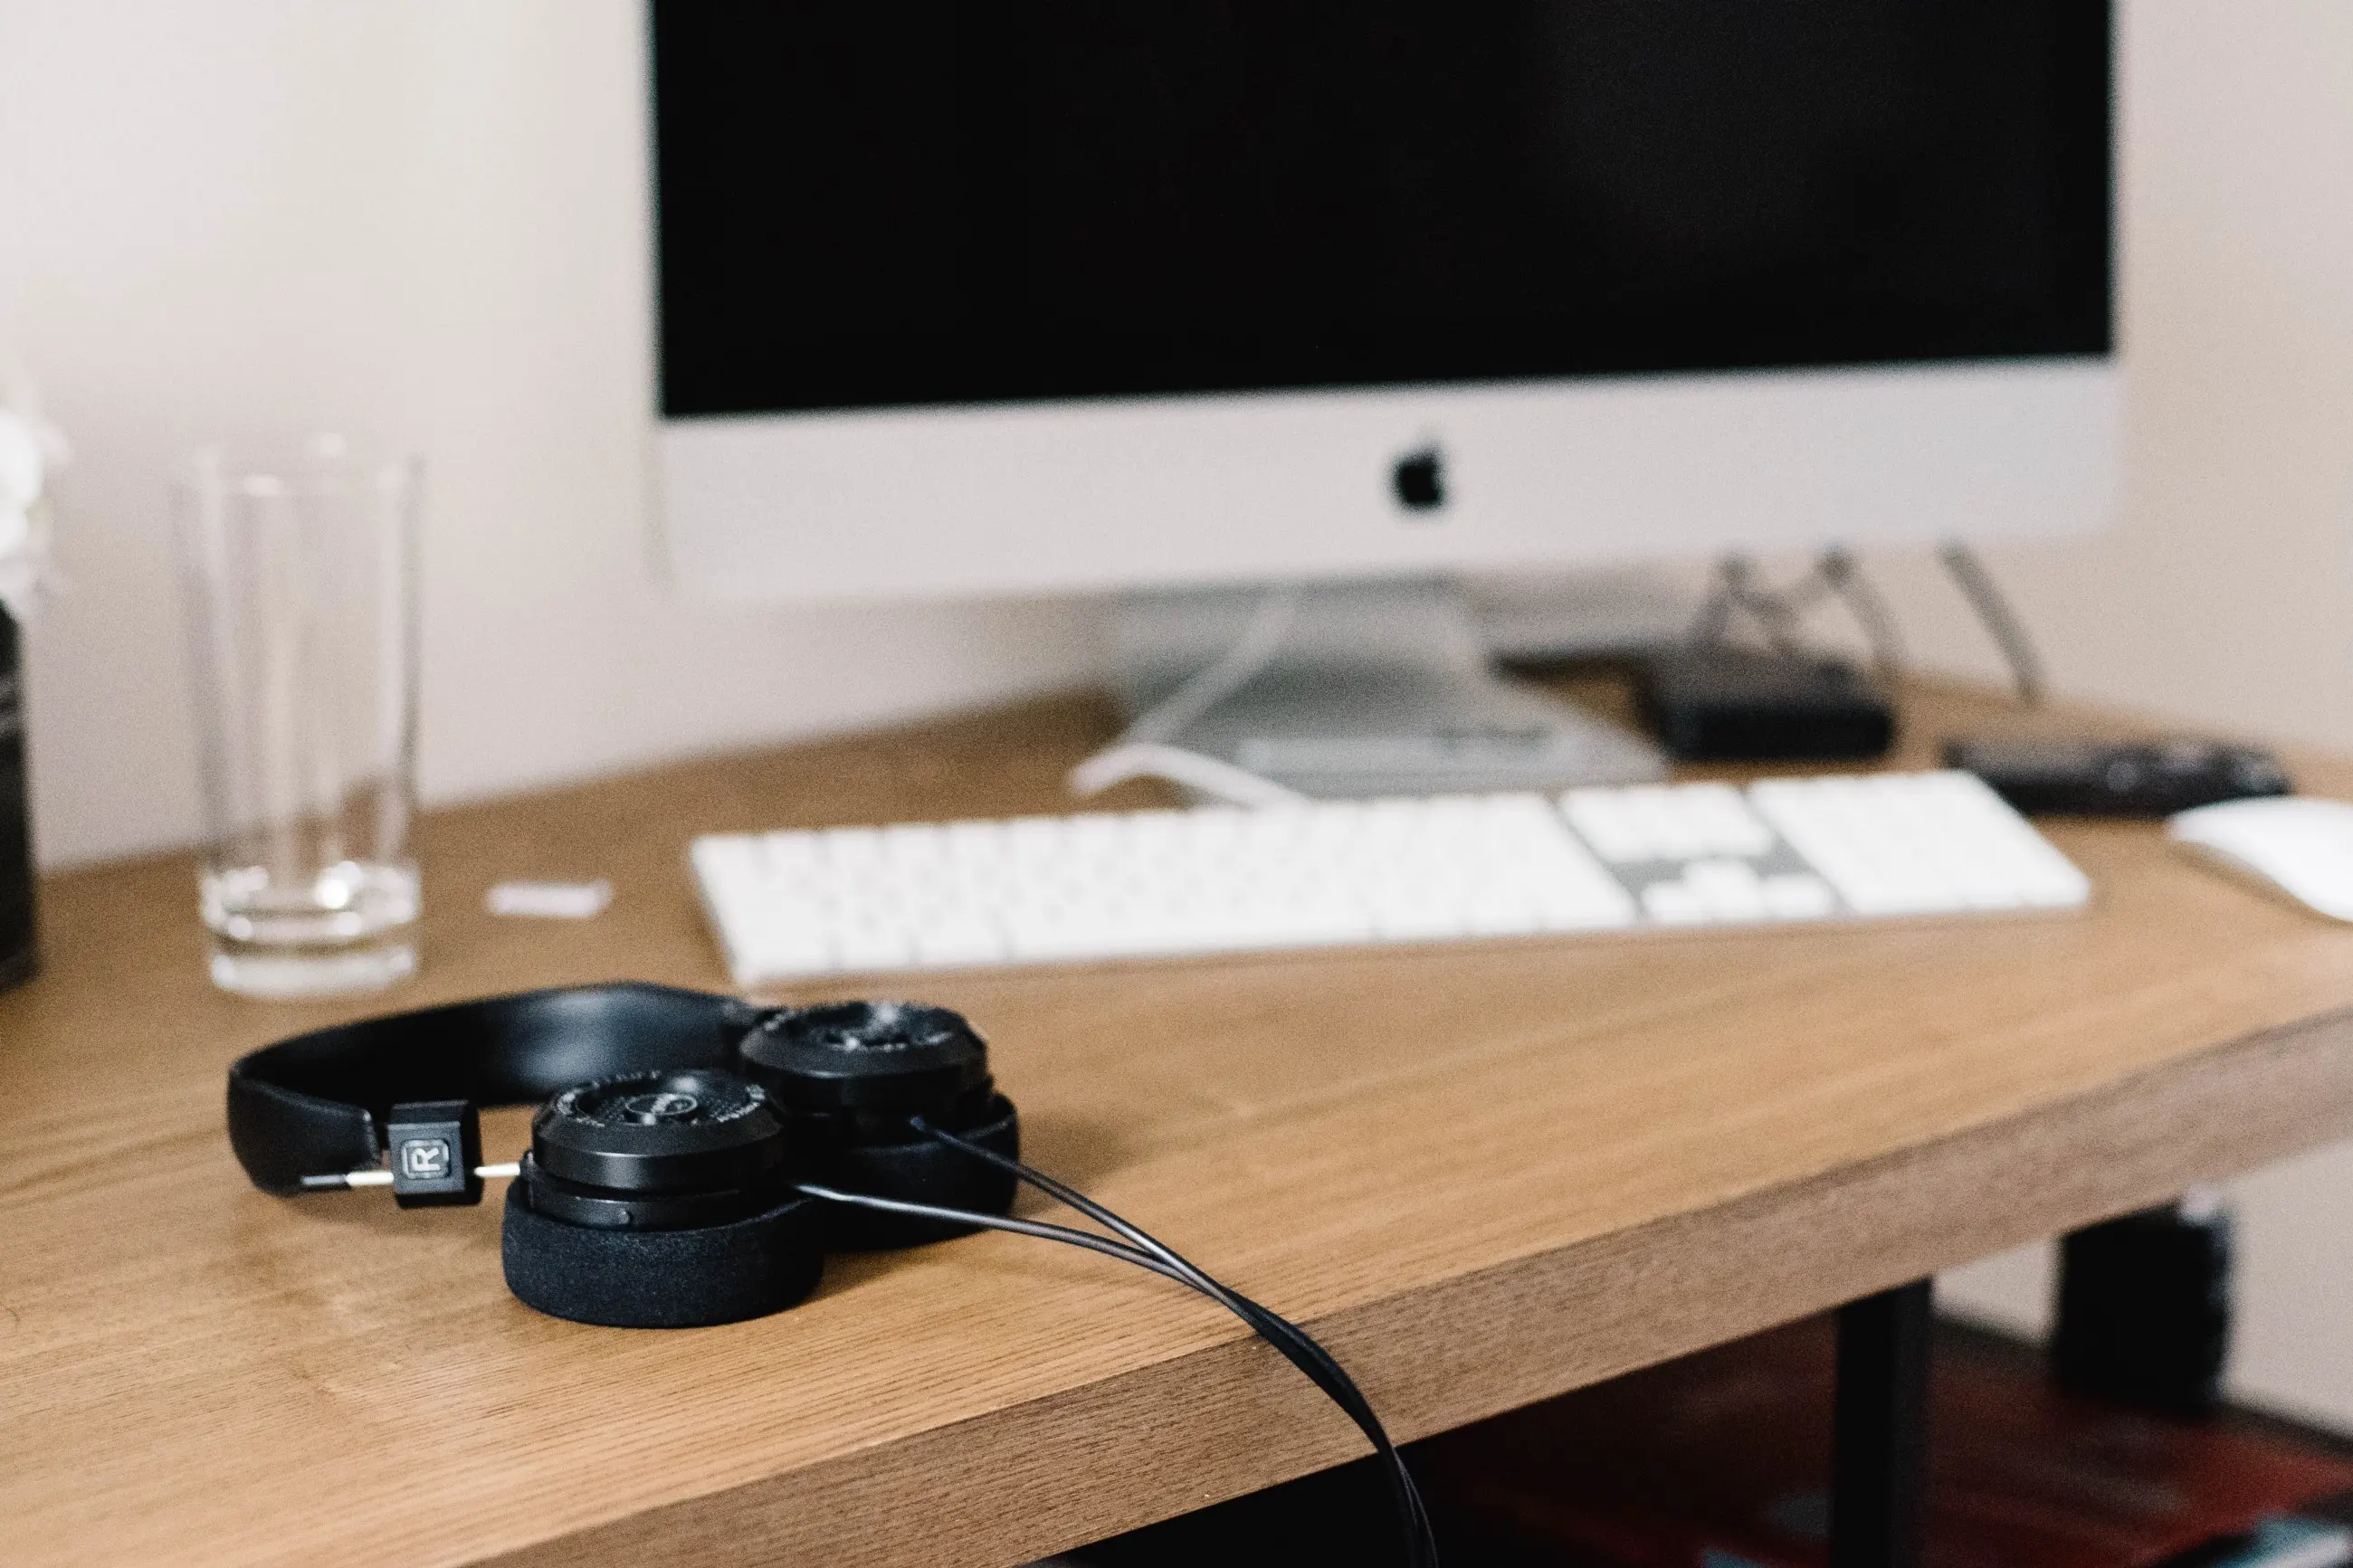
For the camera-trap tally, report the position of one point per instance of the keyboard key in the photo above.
(1674, 904)
(1798, 896)
(1727, 890)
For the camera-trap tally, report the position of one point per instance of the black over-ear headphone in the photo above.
(661, 1190)
(694, 1157)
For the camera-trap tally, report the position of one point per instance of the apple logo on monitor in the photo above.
(1419, 479)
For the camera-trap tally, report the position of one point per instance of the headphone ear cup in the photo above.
(662, 1278)
(922, 1170)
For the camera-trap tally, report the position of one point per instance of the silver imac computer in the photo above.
(1275, 315)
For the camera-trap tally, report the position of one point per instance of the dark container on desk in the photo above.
(17, 951)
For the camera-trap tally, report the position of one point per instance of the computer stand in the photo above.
(1354, 690)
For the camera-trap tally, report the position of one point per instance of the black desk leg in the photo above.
(1880, 1479)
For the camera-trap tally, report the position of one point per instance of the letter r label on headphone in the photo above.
(435, 1145)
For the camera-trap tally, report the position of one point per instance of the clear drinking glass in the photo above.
(299, 561)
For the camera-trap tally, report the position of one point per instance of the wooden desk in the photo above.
(1484, 1174)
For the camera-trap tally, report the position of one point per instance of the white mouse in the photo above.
(2303, 848)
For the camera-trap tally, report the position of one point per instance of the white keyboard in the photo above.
(1146, 884)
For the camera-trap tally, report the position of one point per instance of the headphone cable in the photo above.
(1145, 1251)
(1039, 1228)
(1323, 1372)
(1296, 1344)
(1286, 1337)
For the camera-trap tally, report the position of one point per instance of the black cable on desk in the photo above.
(1039, 1229)
(1148, 1252)
(1779, 613)
(1287, 1337)
(1844, 575)
(2000, 621)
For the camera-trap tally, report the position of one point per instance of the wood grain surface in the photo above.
(1484, 1174)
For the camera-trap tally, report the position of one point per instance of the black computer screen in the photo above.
(869, 203)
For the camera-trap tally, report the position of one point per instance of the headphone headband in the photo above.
(319, 1101)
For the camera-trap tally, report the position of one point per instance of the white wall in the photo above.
(2224, 592)
(425, 218)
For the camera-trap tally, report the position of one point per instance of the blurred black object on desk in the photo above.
(2070, 776)
(1714, 702)
(18, 956)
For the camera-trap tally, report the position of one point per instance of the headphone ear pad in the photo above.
(924, 1170)
(662, 1278)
